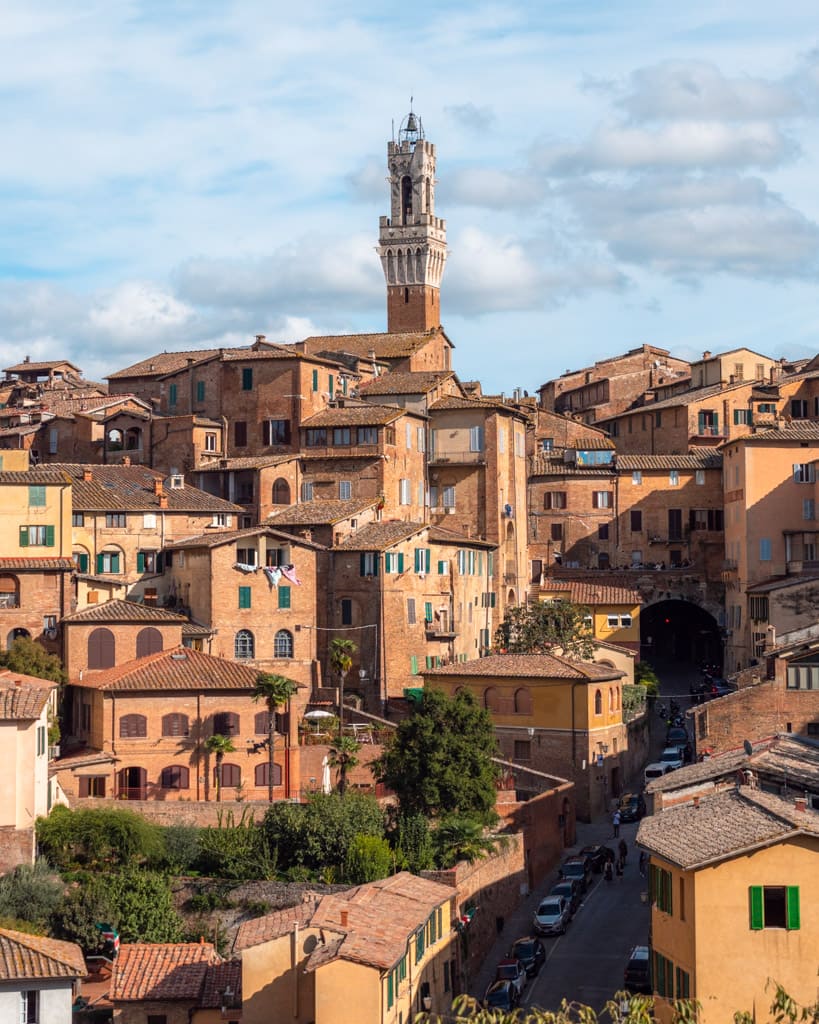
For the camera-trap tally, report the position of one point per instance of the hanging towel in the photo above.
(273, 575)
(289, 573)
(245, 567)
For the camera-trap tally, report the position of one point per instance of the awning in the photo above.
(415, 695)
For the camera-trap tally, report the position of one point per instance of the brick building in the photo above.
(413, 351)
(413, 391)
(555, 432)
(262, 485)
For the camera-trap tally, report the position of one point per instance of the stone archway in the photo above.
(674, 629)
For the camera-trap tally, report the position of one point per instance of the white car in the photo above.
(656, 770)
(672, 756)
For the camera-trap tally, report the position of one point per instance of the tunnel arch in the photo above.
(678, 630)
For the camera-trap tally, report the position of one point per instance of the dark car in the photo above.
(596, 855)
(530, 952)
(579, 868)
(512, 970)
(501, 995)
(632, 807)
(721, 687)
(569, 889)
(637, 975)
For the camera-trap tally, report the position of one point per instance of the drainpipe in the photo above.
(198, 744)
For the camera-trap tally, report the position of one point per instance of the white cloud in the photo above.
(494, 188)
(139, 311)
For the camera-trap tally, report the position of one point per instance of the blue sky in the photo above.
(180, 174)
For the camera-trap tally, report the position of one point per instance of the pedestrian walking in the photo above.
(615, 821)
(643, 860)
(619, 870)
(623, 850)
(607, 871)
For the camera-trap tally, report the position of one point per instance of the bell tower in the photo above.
(412, 240)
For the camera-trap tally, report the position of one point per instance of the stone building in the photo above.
(263, 485)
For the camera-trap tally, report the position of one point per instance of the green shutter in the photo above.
(400, 561)
(284, 597)
(428, 610)
(390, 991)
(172, 394)
(414, 664)
(388, 562)
(419, 946)
(49, 543)
(427, 559)
(669, 892)
(362, 571)
(757, 911)
(100, 563)
(247, 378)
(37, 495)
(140, 561)
(115, 563)
(793, 907)
(429, 661)
(23, 536)
(442, 568)
(244, 597)
(200, 391)
(331, 383)
(82, 563)
(315, 380)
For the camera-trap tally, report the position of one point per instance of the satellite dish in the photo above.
(747, 747)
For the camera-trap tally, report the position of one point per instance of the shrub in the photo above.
(181, 847)
(141, 905)
(31, 893)
(368, 859)
(97, 838)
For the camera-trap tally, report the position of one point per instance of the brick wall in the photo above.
(16, 847)
(413, 308)
(547, 823)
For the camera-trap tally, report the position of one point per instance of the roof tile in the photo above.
(161, 971)
(131, 489)
(125, 611)
(24, 956)
(178, 669)
(528, 666)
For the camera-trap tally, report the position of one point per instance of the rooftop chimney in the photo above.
(126, 460)
(696, 802)
(706, 355)
(163, 500)
(158, 486)
(345, 917)
(260, 339)
(87, 475)
(800, 803)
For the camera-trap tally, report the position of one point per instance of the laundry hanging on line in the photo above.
(289, 573)
(245, 567)
(274, 574)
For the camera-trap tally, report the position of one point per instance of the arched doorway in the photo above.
(16, 634)
(681, 632)
(281, 492)
(132, 784)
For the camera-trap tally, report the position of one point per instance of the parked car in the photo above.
(512, 970)
(673, 757)
(596, 855)
(721, 687)
(656, 770)
(676, 736)
(579, 868)
(501, 995)
(552, 916)
(569, 889)
(530, 952)
(637, 975)
(632, 807)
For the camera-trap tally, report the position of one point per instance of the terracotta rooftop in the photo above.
(528, 666)
(131, 489)
(178, 669)
(364, 415)
(250, 462)
(24, 956)
(549, 464)
(380, 536)
(590, 593)
(781, 583)
(693, 460)
(440, 535)
(685, 398)
(22, 698)
(85, 405)
(221, 537)
(455, 402)
(385, 345)
(36, 565)
(724, 825)
(419, 382)
(161, 972)
(164, 362)
(125, 611)
(51, 364)
(273, 925)
(220, 978)
(319, 513)
(35, 475)
(796, 430)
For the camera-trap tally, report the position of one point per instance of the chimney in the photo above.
(126, 460)
(17, 684)
(27, 359)
(345, 917)
(697, 802)
(260, 339)
(158, 487)
(800, 803)
(706, 355)
(87, 475)
(163, 500)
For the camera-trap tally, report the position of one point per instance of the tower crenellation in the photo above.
(412, 240)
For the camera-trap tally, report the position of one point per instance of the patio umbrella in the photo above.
(326, 785)
(315, 715)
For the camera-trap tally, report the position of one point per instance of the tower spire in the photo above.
(412, 240)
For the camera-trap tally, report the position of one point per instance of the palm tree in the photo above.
(274, 691)
(459, 837)
(343, 757)
(219, 745)
(341, 661)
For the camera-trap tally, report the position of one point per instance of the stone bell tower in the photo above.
(412, 240)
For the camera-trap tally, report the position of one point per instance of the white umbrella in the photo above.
(314, 715)
(326, 785)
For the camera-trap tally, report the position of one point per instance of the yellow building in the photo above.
(558, 716)
(380, 952)
(734, 882)
(615, 611)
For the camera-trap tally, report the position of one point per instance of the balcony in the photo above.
(457, 458)
(435, 632)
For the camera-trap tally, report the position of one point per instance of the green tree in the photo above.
(413, 843)
(368, 859)
(644, 675)
(30, 658)
(180, 848)
(341, 661)
(31, 892)
(343, 756)
(97, 838)
(543, 627)
(459, 838)
(219, 745)
(274, 691)
(439, 760)
(234, 851)
(79, 912)
(141, 903)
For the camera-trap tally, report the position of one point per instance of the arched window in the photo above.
(260, 723)
(283, 644)
(598, 702)
(262, 774)
(523, 701)
(406, 199)
(231, 775)
(9, 591)
(133, 727)
(101, 649)
(175, 724)
(114, 440)
(133, 442)
(281, 491)
(175, 776)
(148, 641)
(244, 646)
(226, 723)
(611, 699)
(618, 705)
(491, 698)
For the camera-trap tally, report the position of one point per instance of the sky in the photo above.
(179, 174)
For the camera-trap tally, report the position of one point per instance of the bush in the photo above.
(413, 843)
(181, 847)
(368, 859)
(31, 893)
(141, 905)
(97, 838)
(81, 909)
(644, 675)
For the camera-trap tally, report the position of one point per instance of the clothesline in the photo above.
(273, 572)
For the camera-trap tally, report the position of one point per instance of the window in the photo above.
(663, 976)
(743, 416)
(603, 531)
(115, 520)
(557, 531)
(422, 559)
(231, 775)
(341, 436)
(804, 473)
(501, 441)
(764, 549)
(148, 641)
(523, 699)
(673, 478)
(774, 906)
(315, 381)
(476, 439)
(284, 596)
(449, 496)
(36, 496)
(276, 432)
(175, 776)
(699, 477)
(601, 499)
(554, 499)
(244, 597)
(613, 621)
(173, 394)
(283, 644)
(705, 519)
(414, 664)
(221, 519)
(240, 434)
(306, 492)
(660, 886)
(133, 727)
(393, 562)
(799, 409)
(226, 723)
(175, 724)
(36, 536)
(523, 750)
(368, 563)
(404, 495)
(261, 774)
(368, 435)
(769, 407)
(345, 490)
(247, 378)
(411, 611)
(803, 677)
(29, 1006)
(625, 620)
(109, 563)
(244, 645)
(636, 521)
(637, 477)
(547, 444)
(598, 702)
(421, 436)
(808, 508)
(346, 611)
